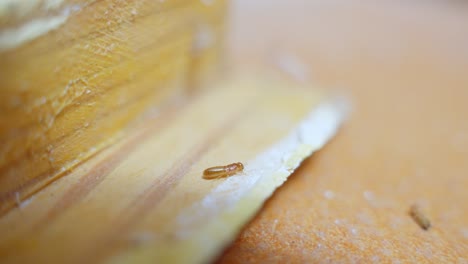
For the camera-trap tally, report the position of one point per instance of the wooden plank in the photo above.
(144, 199)
(75, 89)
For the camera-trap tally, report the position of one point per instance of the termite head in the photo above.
(235, 167)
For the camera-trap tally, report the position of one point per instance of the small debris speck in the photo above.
(419, 217)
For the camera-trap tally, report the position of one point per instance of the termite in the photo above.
(222, 171)
(419, 217)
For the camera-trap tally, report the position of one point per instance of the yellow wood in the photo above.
(143, 200)
(73, 90)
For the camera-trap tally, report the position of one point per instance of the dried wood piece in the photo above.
(144, 199)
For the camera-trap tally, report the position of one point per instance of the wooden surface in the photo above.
(74, 89)
(405, 68)
(143, 200)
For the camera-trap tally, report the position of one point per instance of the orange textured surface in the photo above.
(404, 68)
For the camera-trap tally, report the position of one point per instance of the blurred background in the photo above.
(404, 67)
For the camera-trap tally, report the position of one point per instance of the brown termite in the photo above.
(222, 171)
(419, 217)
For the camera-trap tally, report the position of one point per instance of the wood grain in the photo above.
(76, 89)
(144, 199)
